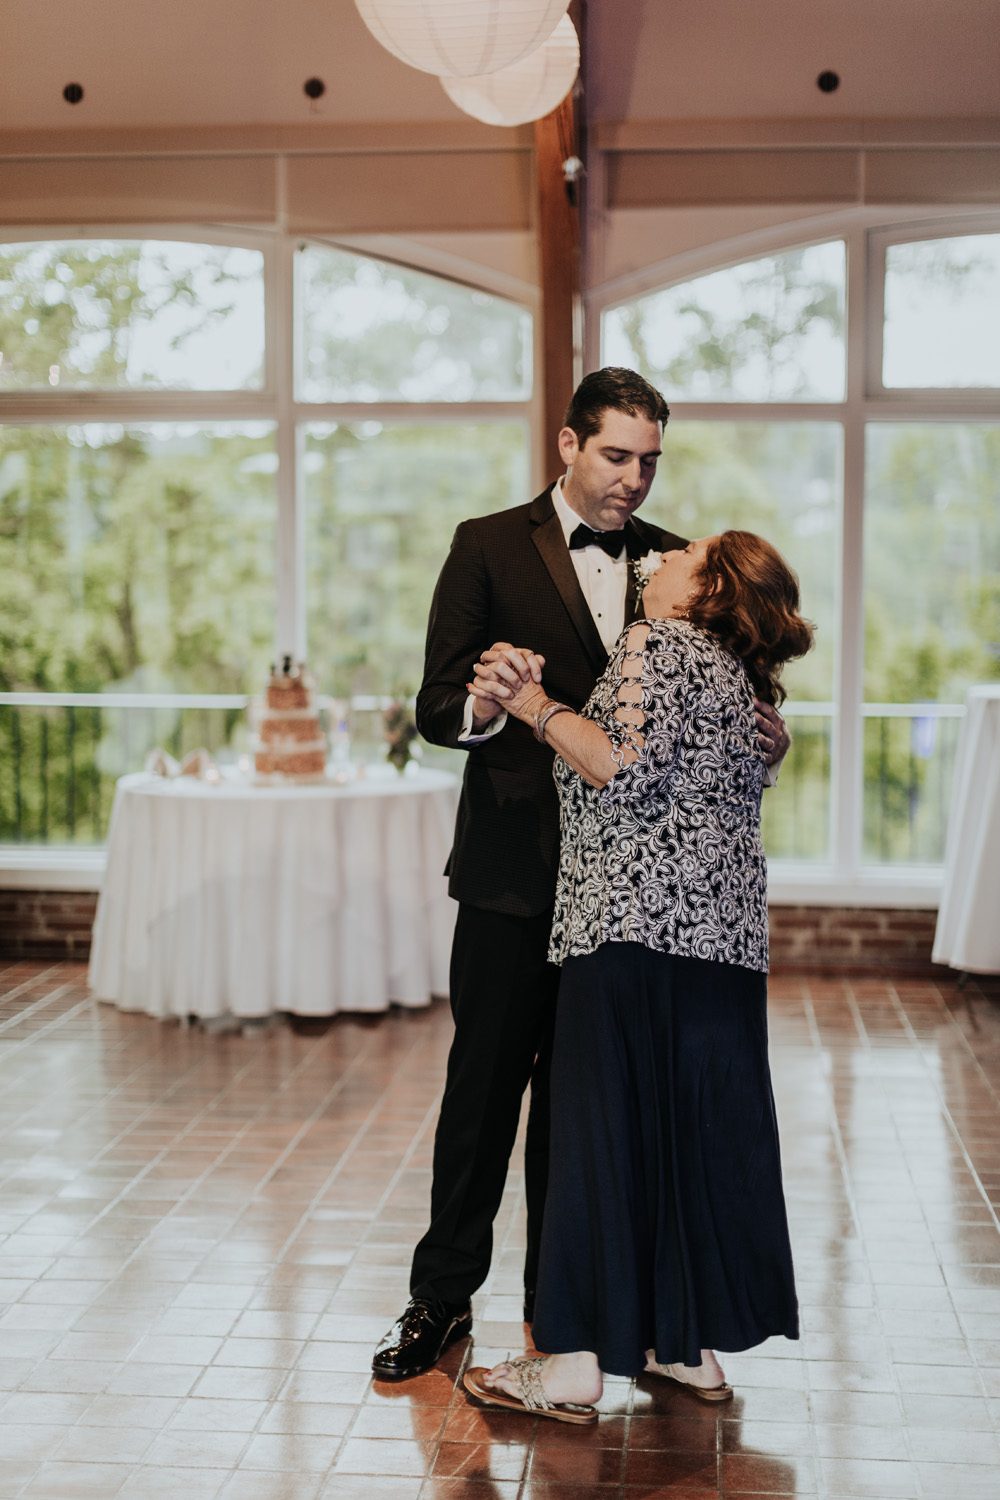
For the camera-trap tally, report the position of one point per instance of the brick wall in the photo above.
(56, 924)
(839, 937)
(46, 924)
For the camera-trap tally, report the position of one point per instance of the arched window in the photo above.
(213, 447)
(866, 447)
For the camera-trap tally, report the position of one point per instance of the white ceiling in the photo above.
(234, 62)
(736, 59)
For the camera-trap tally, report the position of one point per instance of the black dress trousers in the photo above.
(503, 998)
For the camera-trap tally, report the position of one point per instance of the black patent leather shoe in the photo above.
(529, 1304)
(417, 1340)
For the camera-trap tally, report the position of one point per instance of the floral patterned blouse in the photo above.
(668, 853)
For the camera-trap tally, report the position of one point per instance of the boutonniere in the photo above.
(643, 569)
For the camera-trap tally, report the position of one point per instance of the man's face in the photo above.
(609, 477)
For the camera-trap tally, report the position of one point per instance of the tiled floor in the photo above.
(203, 1235)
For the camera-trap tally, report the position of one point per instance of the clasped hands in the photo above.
(509, 679)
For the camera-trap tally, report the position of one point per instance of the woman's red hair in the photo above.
(748, 597)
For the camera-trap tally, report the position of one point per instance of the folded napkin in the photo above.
(199, 763)
(161, 763)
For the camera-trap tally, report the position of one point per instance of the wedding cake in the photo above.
(289, 744)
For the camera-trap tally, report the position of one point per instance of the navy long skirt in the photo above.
(665, 1223)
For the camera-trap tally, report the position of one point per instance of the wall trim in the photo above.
(265, 140)
(792, 134)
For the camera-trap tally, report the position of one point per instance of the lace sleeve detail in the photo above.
(647, 717)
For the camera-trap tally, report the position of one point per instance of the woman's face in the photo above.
(672, 585)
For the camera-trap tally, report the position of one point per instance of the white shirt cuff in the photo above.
(494, 727)
(771, 772)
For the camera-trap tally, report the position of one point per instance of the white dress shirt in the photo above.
(604, 581)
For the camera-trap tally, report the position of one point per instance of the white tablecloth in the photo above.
(968, 925)
(233, 898)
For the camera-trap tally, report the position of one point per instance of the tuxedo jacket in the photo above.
(509, 577)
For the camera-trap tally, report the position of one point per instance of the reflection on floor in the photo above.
(202, 1236)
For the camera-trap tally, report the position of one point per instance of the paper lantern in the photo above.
(461, 38)
(526, 90)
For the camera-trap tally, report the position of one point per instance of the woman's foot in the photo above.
(707, 1376)
(575, 1378)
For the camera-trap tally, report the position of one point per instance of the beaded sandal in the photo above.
(531, 1393)
(723, 1392)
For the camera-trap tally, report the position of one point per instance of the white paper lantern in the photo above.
(461, 38)
(526, 90)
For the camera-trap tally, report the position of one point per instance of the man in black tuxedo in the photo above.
(555, 578)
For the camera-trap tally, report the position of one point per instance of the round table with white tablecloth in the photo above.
(968, 925)
(228, 897)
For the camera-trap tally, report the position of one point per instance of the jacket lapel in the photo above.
(547, 535)
(641, 538)
(636, 546)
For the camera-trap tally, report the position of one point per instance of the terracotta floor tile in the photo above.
(682, 1470)
(149, 1483)
(685, 1434)
(230, 1383)
(340, 1486)
(381, 1456)
(668, 1491)
(874, 1478)
(76, 1481)
(763, 1473)
(477, 1489)
(424, 1423)
(191, 1283)
(794, 1438)
(564, 1464)
(481, 1460)
(23, 1408)
(266, 1486)
(863, 1442)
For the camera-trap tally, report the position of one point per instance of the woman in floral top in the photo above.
(665, 1234)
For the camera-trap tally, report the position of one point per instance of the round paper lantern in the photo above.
(526, 90)
(461, 38)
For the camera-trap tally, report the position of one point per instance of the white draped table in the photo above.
(968, 925)
(230, 898)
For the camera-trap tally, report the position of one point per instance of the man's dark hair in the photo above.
(612, 389)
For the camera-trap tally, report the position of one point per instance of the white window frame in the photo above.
(275, 402)
(844, 877)
(973, 400)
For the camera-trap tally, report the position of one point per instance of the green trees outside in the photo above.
(932, 616)
(140, 556)
(113, 314)
(382, 504)
(773, 329)
(371, 331)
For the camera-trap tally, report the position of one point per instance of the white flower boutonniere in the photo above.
(643, 569)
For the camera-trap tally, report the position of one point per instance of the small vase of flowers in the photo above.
(399, 732)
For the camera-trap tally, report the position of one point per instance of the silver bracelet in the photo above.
(543, 715)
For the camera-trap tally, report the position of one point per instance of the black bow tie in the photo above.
(610, 542)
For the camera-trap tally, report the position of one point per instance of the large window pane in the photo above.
(769, 330)
(369, 331)
(932, 617)
(782, 480)
(382, 506)
(59, 762)
(139, 559)
(159, 314)
(942, 313)
(932, 560)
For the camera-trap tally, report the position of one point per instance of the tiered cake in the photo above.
(289, 744)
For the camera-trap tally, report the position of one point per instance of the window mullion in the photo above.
(848, 756)
(289, 633)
